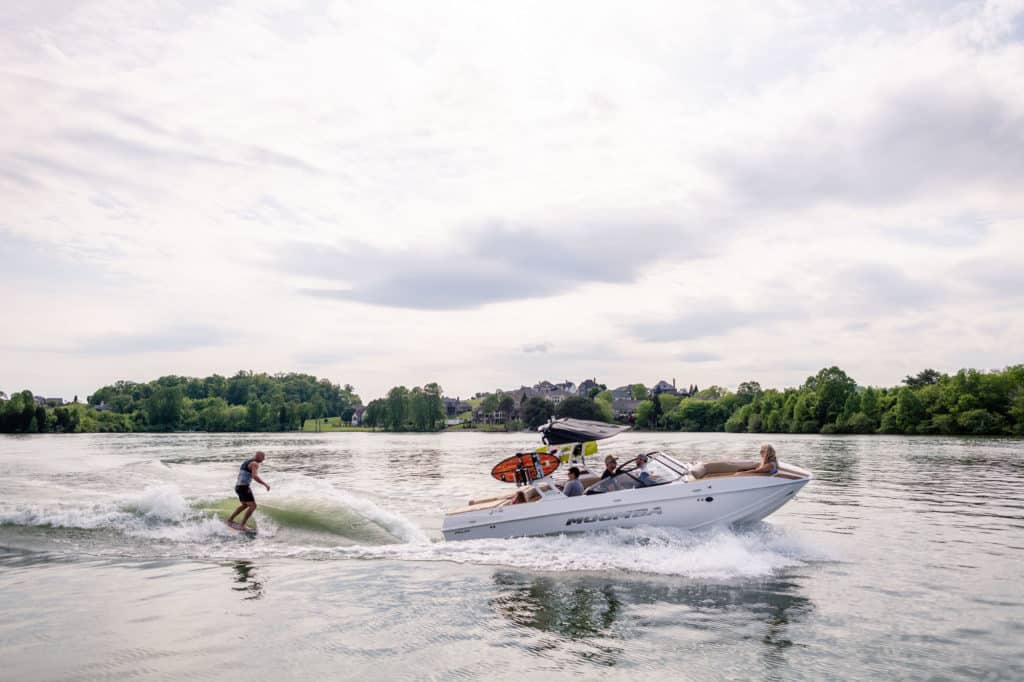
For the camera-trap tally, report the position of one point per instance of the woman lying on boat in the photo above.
(769, 462)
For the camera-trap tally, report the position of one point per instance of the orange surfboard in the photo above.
(505, 470)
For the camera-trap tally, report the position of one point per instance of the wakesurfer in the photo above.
(247, 473)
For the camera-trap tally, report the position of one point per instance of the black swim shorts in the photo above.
(244, 493)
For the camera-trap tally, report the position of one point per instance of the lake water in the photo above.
(904, 558)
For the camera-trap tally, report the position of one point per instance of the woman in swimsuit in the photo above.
(769, 462)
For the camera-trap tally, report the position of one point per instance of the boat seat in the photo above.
(711, 468)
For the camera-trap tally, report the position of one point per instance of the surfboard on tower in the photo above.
(526, 464)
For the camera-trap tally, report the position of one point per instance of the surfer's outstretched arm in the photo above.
(255, 467)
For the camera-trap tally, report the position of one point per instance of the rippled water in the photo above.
(903, 559)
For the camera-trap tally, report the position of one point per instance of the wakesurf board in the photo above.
(527, 463)
(247, 530)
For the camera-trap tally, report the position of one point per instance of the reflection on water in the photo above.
(579, 610)
(246, 580)
(573, 609)
(596, 618)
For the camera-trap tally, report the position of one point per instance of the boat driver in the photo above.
(609, 467)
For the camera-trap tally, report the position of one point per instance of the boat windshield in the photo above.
(637, 473)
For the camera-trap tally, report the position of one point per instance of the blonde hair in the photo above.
(768, 450)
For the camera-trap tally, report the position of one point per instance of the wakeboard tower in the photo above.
(566, 430)
(565, 440)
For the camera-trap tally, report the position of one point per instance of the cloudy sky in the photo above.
(489, 194)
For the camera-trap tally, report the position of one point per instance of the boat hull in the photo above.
(692, 506)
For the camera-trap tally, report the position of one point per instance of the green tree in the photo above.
(579, 407)
(164, 407)
(419, 411)
(668, 402)
(397, 408)
(710, 393)
(507, 406)
(860, 423)
(924, 378)
(645, 413)
(376, 413)
(851, 408)
(426, 407)
(433, 393)
(639, 392)
(748, 391)
(909, 412)
(737, 423)
(536, 411)
(257, 414)
(803, 414)
(489, 405)
(870, 406)
(831, 386)
(979, 422)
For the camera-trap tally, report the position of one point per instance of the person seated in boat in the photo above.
(769, 462)
(573, 487)
(641, 472)
(610, 464)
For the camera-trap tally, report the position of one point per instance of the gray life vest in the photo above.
(244, 475)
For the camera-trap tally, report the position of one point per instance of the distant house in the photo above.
(586, 385)
(623, 392)
(544, 386)
(519, 397)
(453, 407)
(624, 409)
(357, 415)
(103, 407)
(39, 400)
(558, 396)
(665, 387)
(522, 394)
(567, 386)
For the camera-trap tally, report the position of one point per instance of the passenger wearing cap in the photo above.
(609, 467)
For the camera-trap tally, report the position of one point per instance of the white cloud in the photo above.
(787, 185)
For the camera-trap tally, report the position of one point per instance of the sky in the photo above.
(491, 194)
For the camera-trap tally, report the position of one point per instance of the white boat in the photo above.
(663, 492)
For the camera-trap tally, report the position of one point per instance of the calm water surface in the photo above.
(903, 559)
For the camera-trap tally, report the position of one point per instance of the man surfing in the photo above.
(248, 472)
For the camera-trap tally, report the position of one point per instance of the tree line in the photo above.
(246, 401)
(402, 409)
(970, 402)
